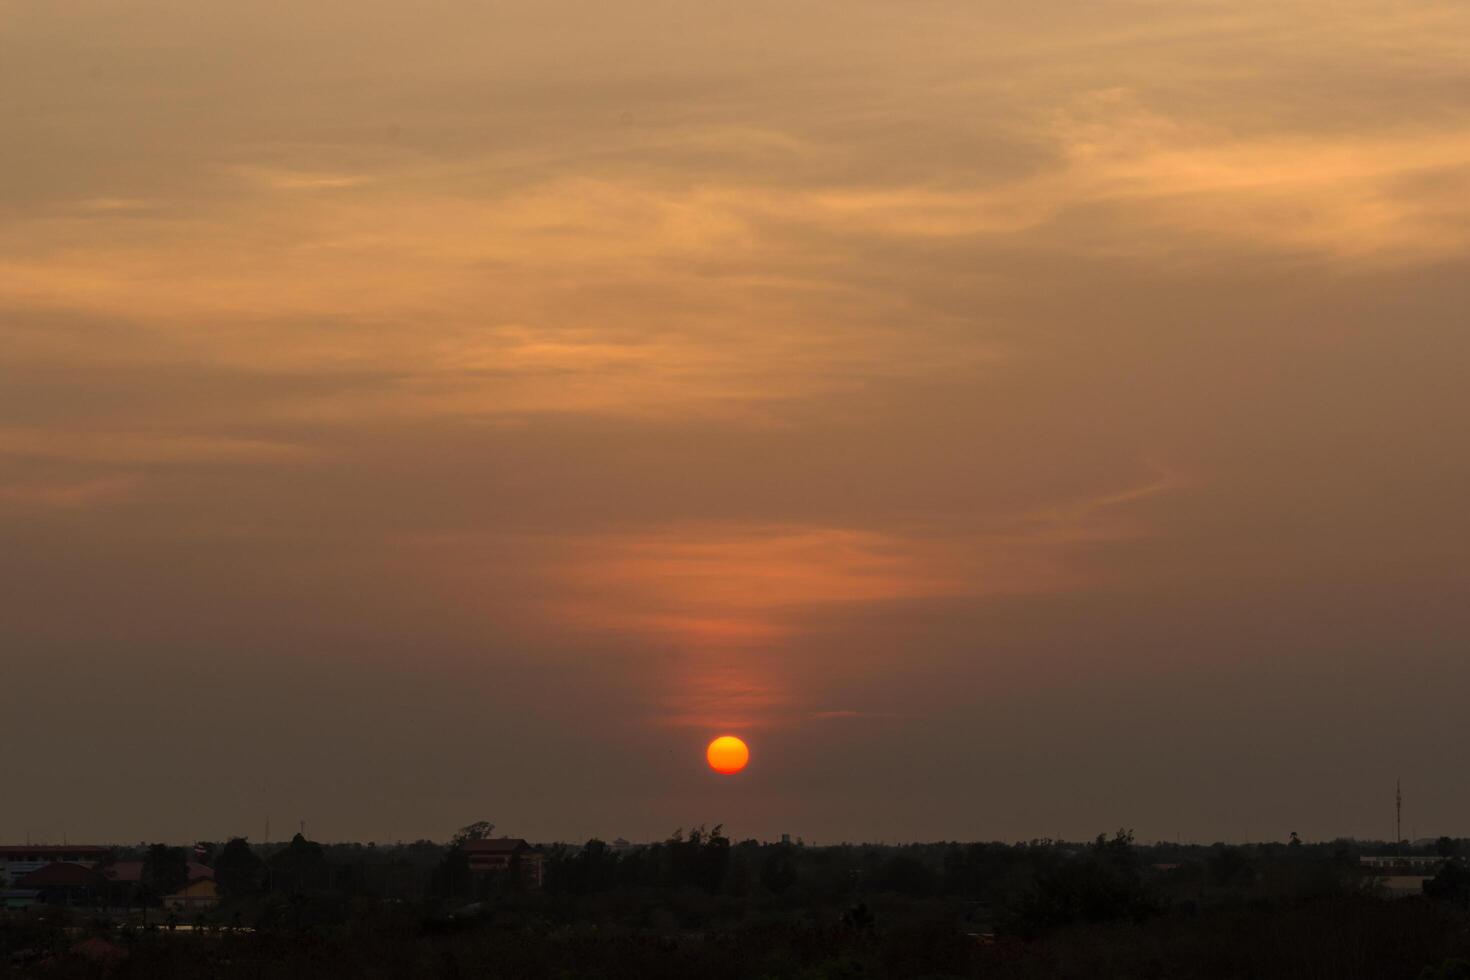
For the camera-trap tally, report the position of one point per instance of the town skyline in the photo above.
(486, 828)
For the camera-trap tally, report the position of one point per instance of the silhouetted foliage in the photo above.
(165, 870)
(1455, 969)
(594, 869)
(238, 870)
(778, 870)
(299, 867)
(698, 905)
(1103, 884)
(907, 875)
(1452, 884)
(1229, 867)
(452, 878)
(700, 859)
(479, 830)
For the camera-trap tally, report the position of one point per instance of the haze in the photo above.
(1013, 420)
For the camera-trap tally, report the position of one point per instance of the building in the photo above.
(1398, 875)
(500, 855)
(62, 884)
(21, 859)
(198, 893)
(19, 898)
(1405, 862)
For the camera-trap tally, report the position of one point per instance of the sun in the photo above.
(727, 755)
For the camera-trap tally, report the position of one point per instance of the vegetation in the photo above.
(700, 904)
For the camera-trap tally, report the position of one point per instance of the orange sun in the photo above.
(727, 755)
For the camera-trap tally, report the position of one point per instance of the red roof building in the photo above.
(75, 853)
(61, 883)
(20, 859)
(501, 854)
(59, 876)
(132, 871)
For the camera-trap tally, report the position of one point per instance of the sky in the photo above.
(1014, 420)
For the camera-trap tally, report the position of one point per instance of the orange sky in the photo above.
(1017, 420)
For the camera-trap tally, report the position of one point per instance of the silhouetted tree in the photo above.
(238, 870)
(859, 918)
(1228, 867)
(165, 869)
(1452, 884)
(301, 866)
(593, 869)
(700, 859)
(479, 830)
(906, 875)
(1103, 884)
(778, 871)
(451, 878)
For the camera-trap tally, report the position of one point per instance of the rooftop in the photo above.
(133, 871)
(59, 875)
(32, 851)
(495, 845)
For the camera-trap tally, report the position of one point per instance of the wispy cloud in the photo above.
(713, 586)
(295, 180)
(138, 447)
(69, 494)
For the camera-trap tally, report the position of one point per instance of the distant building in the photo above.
(1429, 862)
(199, 890)
(499, 855)
(19, 898)
(20, 859)
(1398, 875)
(198, 895)
(62, 884)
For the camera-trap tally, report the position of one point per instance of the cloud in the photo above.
(114, 204)
(68, 495)
(290, 180)
(1354, 195)
(136, 447)
(611, 376)
(734, 586)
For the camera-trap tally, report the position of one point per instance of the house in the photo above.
(62, 883)
(199, 891)
(495, 855)
(20, 859)
(197, 896)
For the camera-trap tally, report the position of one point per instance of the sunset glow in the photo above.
(938, 385)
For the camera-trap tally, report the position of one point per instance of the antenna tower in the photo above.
(1398, 811)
